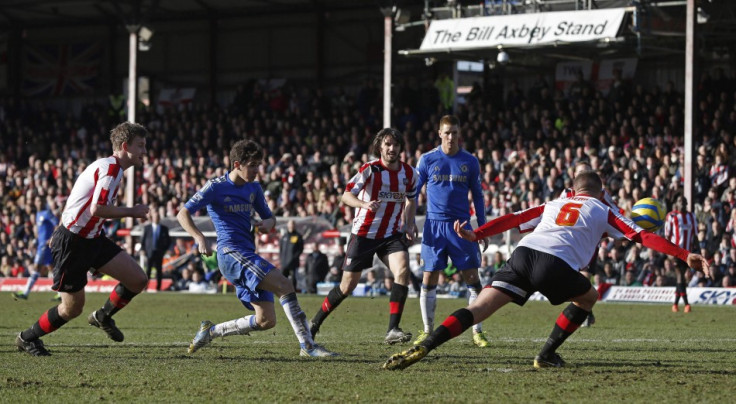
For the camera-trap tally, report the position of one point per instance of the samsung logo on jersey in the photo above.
(450, 177)
(389, 196)
(238, 207)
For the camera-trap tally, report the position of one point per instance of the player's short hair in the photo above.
(383, 134)
(449, 120)
(126, 132)
(588, 182)
(245, 151)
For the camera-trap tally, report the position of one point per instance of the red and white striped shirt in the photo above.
(570, 228)
(98, 184)
(681, 228)
(375, 182)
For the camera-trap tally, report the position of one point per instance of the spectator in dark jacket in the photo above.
(291, 247)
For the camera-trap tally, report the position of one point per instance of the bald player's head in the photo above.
(581, 166)
(587, 182)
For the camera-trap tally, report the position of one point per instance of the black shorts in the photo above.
(74, 256)
(681, 266)
(528, 271)
(359, 254)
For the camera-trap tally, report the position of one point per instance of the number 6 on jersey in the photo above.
(569, 214)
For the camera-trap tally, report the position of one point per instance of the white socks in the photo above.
(240, 326)
(428, 303)
(473, 294)
(298, 320)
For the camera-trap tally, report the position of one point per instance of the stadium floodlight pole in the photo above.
(132, 91)
(689, 99)
(388, 25)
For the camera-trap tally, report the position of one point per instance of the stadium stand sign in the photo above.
(716, 296)
(523, 29)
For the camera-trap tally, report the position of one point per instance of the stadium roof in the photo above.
(652, 29)
(36, 13)
(661, 33)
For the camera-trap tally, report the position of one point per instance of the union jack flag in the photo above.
(61, 69)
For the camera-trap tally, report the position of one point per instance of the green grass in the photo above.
(634, 353)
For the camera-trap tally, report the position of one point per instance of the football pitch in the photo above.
(634, 353)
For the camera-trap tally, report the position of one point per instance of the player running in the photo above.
(79, 243)
(46, 222)
(566, 232)
(449, 172)
(383, 193)
(232, 201)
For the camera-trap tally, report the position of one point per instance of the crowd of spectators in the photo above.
(527, 142)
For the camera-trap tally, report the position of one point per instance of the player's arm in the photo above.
(354, 202)
(185, 220)
(102, 199)
(410, 206)
(117, 212)
(499, 224)
(410, 211)
(267, 225)
(261, 207)
(650, 240)
(477, 192)
(353, 188)
(195, 203)
(653, 241)
(421, 176)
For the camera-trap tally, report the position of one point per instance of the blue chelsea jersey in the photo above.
(448, 179)
(46, 222)
(231, 208)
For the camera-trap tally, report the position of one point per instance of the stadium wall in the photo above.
(615, 294)
(664, 295)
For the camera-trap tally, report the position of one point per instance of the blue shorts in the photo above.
(43, 255)
(245, 270)
(440, 241)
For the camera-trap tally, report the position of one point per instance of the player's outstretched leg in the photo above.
(488, 302)
(454, 325)
(407, 358)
